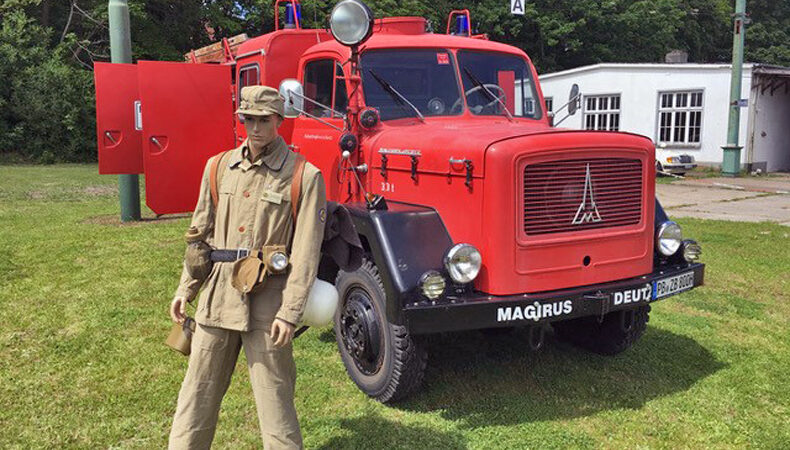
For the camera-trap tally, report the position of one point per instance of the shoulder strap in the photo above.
(296, 186)
(214, 176)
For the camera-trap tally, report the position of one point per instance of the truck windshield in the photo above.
(426, 78)
(493, 79)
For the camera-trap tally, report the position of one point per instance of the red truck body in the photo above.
(516, 188)
(184, 126)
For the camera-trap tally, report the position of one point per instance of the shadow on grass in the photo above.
(327, 335)
(115, 220)
(376, 432)
(481, 380)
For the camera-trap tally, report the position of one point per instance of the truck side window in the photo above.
(324, 83)
(249, 75)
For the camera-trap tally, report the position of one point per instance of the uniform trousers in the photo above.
(211, 363)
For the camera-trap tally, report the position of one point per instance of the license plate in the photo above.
(672, 285)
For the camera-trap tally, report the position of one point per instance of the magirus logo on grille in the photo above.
(588, 211)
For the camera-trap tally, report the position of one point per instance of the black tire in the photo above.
(659, 169)
(381, 358)
(606, 337)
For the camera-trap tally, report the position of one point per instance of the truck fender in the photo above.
(405, 241)
(661, 215)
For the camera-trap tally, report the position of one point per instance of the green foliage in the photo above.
(46, 103)
(768, 37)
(55, 101)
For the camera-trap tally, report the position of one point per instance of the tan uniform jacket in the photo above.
(254, 209)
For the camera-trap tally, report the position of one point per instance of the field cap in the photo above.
(260, 101)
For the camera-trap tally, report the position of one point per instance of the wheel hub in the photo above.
(360, 331)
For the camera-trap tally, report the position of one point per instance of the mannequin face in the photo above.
(261, 130)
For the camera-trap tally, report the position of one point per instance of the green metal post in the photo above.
(121, 52)
(731, 164)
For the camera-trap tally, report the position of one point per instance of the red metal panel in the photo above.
(506, 79)
(118, 142)
(187, 118)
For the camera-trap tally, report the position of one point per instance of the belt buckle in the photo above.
(242, 253)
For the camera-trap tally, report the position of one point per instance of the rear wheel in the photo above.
(383, 359)
(616, 333)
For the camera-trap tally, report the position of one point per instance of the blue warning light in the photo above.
(462, 25)
(290, 22)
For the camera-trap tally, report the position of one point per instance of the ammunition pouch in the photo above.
(251, 272)
(180, 338)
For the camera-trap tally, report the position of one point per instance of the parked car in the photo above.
(676, 165)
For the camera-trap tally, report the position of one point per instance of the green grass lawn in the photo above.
(83, 316)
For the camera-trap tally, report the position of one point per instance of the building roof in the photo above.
(643, 66)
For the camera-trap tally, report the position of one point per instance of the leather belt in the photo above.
(229, 254)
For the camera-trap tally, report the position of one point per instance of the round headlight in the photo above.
(463, 263)
(351, 22)
(432, 284)
(278, 262)
(668, 238)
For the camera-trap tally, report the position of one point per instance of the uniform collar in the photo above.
(273, 156)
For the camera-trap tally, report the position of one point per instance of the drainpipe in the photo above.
(731, 163)
(121, 53)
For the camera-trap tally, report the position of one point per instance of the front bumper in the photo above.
(479, 310)
(678, 167)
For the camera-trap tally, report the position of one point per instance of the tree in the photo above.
(768, 36)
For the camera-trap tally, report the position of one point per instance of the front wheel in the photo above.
(617, 331)
(383, 359)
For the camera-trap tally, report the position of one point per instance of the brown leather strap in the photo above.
(214, 177)
(296, 186)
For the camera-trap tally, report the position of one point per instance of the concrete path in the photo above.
(747, 199)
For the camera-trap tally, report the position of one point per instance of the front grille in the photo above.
(685, 159)
(558, 198)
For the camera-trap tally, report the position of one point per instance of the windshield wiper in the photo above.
(399, 99)
(488, 93)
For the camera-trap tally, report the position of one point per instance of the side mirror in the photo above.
(293, 103)
(573, 99)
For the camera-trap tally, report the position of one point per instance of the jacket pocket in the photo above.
(274, 217)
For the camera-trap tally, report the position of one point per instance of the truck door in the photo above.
(323, 82)
(118, 140)
(187, 118)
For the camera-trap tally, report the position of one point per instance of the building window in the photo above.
(549, 103)
(680, 117)
(602, 112)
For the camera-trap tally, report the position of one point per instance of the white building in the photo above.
(683, 108)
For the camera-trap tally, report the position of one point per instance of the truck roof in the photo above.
(424, 40)
(263, 42)
(389, 32)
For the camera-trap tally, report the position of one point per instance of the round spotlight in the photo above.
(463, 263)
(668, 238)
(432, 284)
(278, 262)
(351, 22)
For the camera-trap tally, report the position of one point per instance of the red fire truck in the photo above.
(474, 210)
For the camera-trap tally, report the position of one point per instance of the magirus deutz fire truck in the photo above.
(474, 210)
